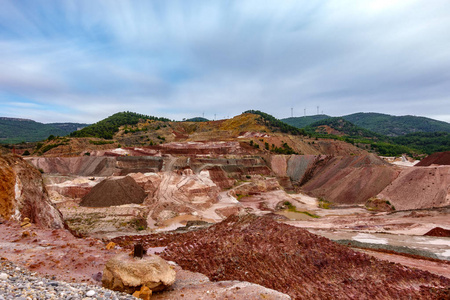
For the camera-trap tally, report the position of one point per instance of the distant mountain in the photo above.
(197, 119)
(381, 123)
(341, 127)
(14, 130)
(396, 125)
(411, 144)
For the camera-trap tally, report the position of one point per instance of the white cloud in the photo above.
(87, 60)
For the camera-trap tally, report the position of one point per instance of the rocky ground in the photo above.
(53, 264)
(19, 283)
(198, 184)
(278, 256)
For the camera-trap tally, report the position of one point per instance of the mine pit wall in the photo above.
(80, 166)
(342, 180)
(23, 194)
(141, 164)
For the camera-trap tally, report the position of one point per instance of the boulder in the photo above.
(128, 274)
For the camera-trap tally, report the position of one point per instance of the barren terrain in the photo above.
(250, 221)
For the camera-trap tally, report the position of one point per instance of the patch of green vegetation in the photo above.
(139, 223)
(324, 203)
(290, 207)
(50, 146)
(426, 142)
(240, 196)
(284, 149)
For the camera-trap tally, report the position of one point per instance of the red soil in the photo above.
(438, 231)
(348, 179)
(291, 260)
(438, 158)
(111, 192)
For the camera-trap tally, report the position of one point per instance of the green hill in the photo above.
(342, 127)
(106, 128)
(396, 125)
(427, 142)
(411, 144)
(275, 124)
(301, 122)
(197, 119)
(380, 123)
(13, 130)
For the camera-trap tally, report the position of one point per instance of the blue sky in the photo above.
(81, 61)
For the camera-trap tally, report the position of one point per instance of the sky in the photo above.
(84, 60)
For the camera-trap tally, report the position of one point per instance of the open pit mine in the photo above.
(232, 219)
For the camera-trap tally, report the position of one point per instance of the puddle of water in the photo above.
(437, 242)
(155, 250)
(446, 253)
(369, 238)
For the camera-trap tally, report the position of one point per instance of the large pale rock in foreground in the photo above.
(127, 274)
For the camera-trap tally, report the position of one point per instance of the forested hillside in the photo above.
(302, 122)
(380, 123)
(14, 130)
(396, 125)
(275, 124)
(106, 128)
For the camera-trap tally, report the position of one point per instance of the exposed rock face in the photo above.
(128, 274)
(114, 191)
(82, 166)
(348, 180)
(419, 187)
(182, 192)
(23, 194)
(290, 260)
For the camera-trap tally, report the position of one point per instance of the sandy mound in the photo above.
(290, 260)
(348, 179)
(114, 191)
(419, 187)
(438, 158)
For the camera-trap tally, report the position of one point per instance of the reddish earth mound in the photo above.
(291, 260)
(438, 158)
(418, 188)
(348, 179)
(438, 231)
(111, 192)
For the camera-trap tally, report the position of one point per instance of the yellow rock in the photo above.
(145, 293)
(110, 245)
(25, 225)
